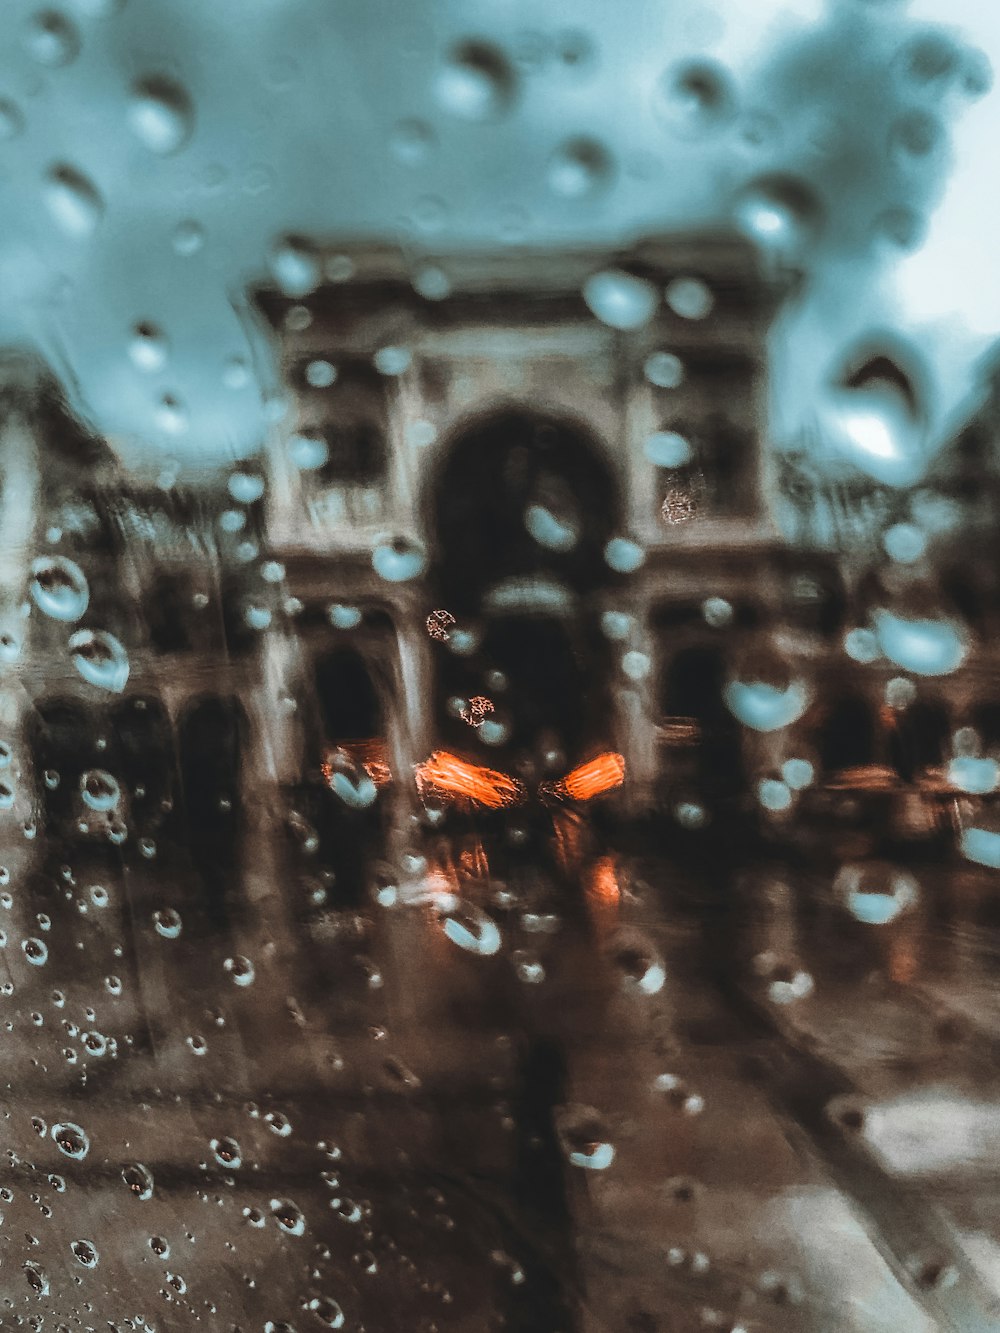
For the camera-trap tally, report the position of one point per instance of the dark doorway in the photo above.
(692, 689)
(63, 739)
(213, 734)
(522, 495)
(144, 742)
(847, 735)
(525, 504)
(351, 734)
(348, 702)
(920, 739)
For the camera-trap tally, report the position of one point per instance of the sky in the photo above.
(153, 153)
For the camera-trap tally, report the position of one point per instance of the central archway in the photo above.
(525, 504)
(522, 495)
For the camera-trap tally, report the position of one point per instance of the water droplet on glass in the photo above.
(227, 1153)
(579, 168)
(171, 416)
(916, 135)
(690, 298)
(327, 1311)
(35, 950)
(925, 647)
(548, 530)
(392, 360)
(160, 1246)
(399, 561)
(148, 347)
(245, 487)
(765, 707)
(905, 543)
(100, 791)
(278, 1123)
(74, 201)
(584, 1137)
(875, 893)
(476, 82)
(343, 617)
(433, 284)
(974, 775)
(241, 969)
(139, 1180)
(96, 1043)
(37, 1278)
(353, 786)
(308, 452)
(695, 98)
(667, 449)
(289, 1216)
(50, 39)
(774, 795)
(664, 369)
(619, 299)
(467, 925)
(411, 142)
(160, 114)
(780, 213)
(71, 1140)
(624, 556)
(902, 227)
(59, 587)
(85, 1253)
(638, 962)
(797, 773)
(188, 238)
(168, 923)
(861, 645)
(616, 625)
(296, 265)
(100, 659)
(347, 1210)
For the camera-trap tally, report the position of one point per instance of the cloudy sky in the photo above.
(155, 151)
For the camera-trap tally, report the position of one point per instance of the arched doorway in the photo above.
(524, 506)
(709, 753)
(522, 495)
(63, 737)
(349, 738)
(847, 737)
(348, 703)
(212, 736)
(144, 755)
(920, 739)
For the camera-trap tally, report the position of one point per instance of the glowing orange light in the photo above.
(866, 777)
(679, 731)
(902, 961)
(604, 882)
(597, 775)
(567, 830)
(473, 863)
(446, 774)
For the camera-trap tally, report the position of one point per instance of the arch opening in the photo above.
(520, 495)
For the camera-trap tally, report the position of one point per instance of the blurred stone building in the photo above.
(464, 1070)
(564, 453)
